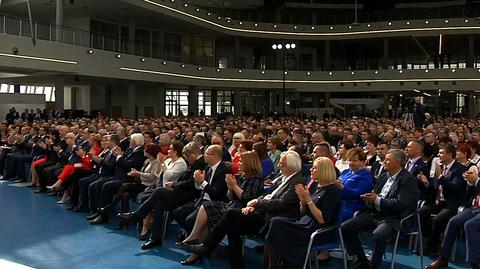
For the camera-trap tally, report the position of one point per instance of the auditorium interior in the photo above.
(196, 68)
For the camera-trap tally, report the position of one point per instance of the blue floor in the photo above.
(36, 232)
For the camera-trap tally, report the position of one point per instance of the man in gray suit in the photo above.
(393, 198)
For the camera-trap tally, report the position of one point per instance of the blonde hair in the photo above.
(327, 170)
(251, 164)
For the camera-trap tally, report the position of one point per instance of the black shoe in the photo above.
(192, 261)
(181, 237)
(99, 220)
(130, 216)
(93, 216)
(200, 249)
(186, 245)
(40, 190)
(105, 210)
(70, 208)
(144, 237)
(151, 243)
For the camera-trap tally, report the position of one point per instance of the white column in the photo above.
(131, 100)
(59, 94)
(59, 20)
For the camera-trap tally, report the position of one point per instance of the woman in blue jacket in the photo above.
(354, 181)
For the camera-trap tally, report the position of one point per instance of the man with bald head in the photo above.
(417, 167)
(211, 184)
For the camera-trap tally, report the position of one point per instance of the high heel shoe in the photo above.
(54, 189)
(144, 237)
(192, 261)
(124, 219)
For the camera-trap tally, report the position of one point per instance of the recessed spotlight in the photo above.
(164, 62)
(349, 27)
(389, 23)
(183, 66)
(331, 27)
(376, 72)
(408, 23)
(255, 24)
(287, 46)
(90, 51)
(279, 46)
(330, 73)
(199, 68)
(197, 9)
(118, 56)
(446, 21)
(239, 70)
(172, 1)
(453, 70)
(274, 46)
(218, 69)
(229, 21)
(401, 71)
(313, 27)
(353, 73)
(479, 70)
(208, 14)
(295, 27)
(142, 59)
(426, 70)
(219, 17)
(427, 22)
(274, 26)
(369, 25)
(308, 73)
(293, 45)
(185, 5)
(263, 72)
(466, 20)
(286, 72)
(241, 22)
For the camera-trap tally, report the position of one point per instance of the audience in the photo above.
(213, 185)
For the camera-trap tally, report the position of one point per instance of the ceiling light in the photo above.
(142, 59)
(274, 46)
(353, 73)
(368, 25)
(199, 68)
(331, 27)
(239, 70)
(415, 90)
(313, 27)
(118, 56)
(208, 14)
(263, 72)
(401, 71)
(219, 17)
(308, 73)
(241, 22)
(185, 5)
(279, 46)
(466, 20)
(330, 73)
(218, 69)
(446, 21)
(274, 26)
(408, 23)
(349, 27)
(426, 70)
(197, 9)
(90, 51)
(295, 27)
(286, 72)
(389, 23)
(453, 70)
(287, 46)
(164, 62)
(427, 22)
(293, 46)
(255, 24)
(376, 72)
(183, 66)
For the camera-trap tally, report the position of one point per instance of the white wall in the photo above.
(83, 98)
(20, 102)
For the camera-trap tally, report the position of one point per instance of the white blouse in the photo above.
(173, 170)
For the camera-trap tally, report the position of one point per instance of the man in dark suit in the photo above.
(170, 196)
(106, 169)
(282, 201)
(211, 184)
(417, 167)
(377, 168)
(393, 198)
(108, 187)
(449, 195)
(469, 220)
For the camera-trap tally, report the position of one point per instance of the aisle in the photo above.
(36, 232)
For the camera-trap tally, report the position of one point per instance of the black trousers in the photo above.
(185, 216)
(125, 192)
(85, 195)
(162, 199)
(433, 227)
(366, 222)
(73, 182)
(234, 224)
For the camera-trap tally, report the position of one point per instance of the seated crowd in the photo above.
(274, 176)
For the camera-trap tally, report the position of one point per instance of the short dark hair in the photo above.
(449, 149)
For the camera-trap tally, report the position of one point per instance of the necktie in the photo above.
(440, 188)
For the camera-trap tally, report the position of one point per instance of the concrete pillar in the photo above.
(327, 100)
(237, 104)
(281, 101)
(237, 52)
(471, 106)
(59, 94)
(192, 101)
(214, 102)
(131, 36)
(131, 100)
(385, 53)
(73, 97)
(326, 64)
(16, 88)
(471, 52)
(59, 13)
(315, 100)
(161, 97)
